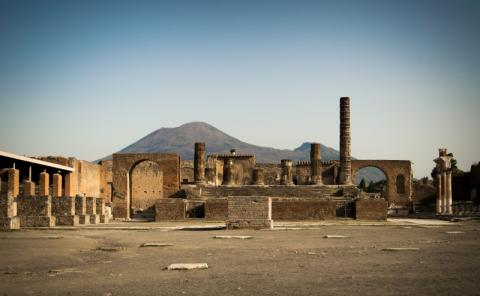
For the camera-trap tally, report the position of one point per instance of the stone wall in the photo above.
(242, 168)
(106, 167)
(253, 212)
(35, 211)
(371, 209)
(147, 185)
(170, 209)
(303, 209)
(186, 171)
(216, 209)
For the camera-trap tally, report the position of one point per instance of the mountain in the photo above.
(181, 139)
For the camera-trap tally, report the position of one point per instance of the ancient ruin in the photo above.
(161, 186)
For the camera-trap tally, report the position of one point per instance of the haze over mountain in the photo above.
(181, 139)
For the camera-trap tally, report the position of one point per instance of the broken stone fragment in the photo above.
(109, 249)
(400, 249)
(454, 232)
(334, 236)
(232, 237)
(144, 245)
(187, 266)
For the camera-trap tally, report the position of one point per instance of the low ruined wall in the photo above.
(371, 209)
(35, 211)
(303, 209)
(63, 206)
(170, 209)
(253, 212)
(280, 191)
(216, 209)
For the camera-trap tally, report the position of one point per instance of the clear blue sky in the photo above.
(87, 78)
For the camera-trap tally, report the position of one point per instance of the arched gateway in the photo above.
(399, 178)
(139, 179)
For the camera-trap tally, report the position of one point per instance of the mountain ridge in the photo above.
(181, 139)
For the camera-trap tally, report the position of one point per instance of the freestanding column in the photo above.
(444, 193)
(228, 171)
(14, 182)
(345, 161)
(448, 196)
(199, 163)
(44, 185)
(70, 185)
(439, 194)
(315, 164)
(57, 185)
(258, 177)
(287, 177)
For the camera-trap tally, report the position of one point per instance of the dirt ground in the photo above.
(294, 259)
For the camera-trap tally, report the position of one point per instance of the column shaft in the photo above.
(315, 164)
(345, 159)
(199, 161)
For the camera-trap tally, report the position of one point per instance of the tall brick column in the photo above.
(315, 164)
(345, 177)
(57, 185)
(70, 185)
(14, 182)
(287, 176)
(199, 163)
(44, 184)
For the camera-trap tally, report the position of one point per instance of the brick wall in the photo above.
(170, 209)
(303, 209)
(371, 209)
(63, 206)
(252, 212)
(216, 209)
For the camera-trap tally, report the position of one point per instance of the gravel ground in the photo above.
(295, 259)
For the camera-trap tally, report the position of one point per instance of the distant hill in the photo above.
(181, 139)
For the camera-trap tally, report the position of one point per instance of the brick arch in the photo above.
(147, 200)
(123, 165)
(391, 169)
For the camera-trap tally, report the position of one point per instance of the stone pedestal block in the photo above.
(63, 209)
(37, 221)
(9, 223)
(70, 185)
(251, 212)
(170, 209)
(371, 209)
(72, 220)
(84, 219)
(28, 188)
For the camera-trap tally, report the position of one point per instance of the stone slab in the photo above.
(37, 221)
(187, 266)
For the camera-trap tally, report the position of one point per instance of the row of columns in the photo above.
(13, 184)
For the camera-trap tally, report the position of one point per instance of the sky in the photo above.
(87, 78)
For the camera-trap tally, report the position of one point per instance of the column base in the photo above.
(72, 220)
(103, 219)
(37, 221)
(94, 219)
(10, 223)
(84, 219)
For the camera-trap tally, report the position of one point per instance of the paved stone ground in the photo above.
(293, 259)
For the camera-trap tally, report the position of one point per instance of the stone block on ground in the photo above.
(371, 209)
(249, 212)
(170, 209)
(12, 223)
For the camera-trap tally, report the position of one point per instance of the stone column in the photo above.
(13, 182)
(448, 196)
(287, 177)
(345, 160)
(439, 194)
(28, 188)
(315, 164)
(228, 172)
(70, 185)
(210, 175)
(57, 185)
(258, 176)
(199, 163)
(44, 184)
(444, 193)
